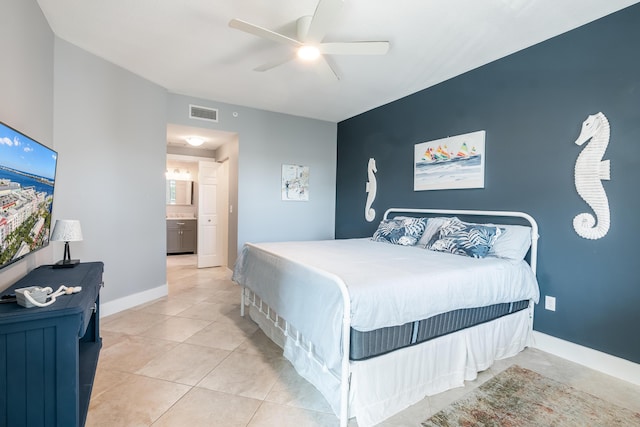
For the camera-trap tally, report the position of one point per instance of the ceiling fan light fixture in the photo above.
(195, 141)
(308, 45)
(308, 53)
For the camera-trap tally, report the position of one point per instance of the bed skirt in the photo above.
(385, 385)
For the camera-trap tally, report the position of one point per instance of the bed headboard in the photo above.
(533, 259)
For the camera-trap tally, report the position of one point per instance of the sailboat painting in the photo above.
(450, 163)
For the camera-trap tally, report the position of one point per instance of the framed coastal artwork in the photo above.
(295, 183)
(450, 163)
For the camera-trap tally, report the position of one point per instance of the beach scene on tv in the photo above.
(27, 177)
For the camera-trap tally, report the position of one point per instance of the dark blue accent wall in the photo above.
(532, 105)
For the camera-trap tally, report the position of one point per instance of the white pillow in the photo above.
(513, 243)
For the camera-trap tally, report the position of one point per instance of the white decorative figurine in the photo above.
(370, 214)
(589, 171)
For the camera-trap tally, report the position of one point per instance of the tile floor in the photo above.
(189, 359)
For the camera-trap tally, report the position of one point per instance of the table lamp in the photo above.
(66, 230)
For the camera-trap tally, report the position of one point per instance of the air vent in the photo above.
(203, 113)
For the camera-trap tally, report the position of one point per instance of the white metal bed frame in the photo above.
(346, 320)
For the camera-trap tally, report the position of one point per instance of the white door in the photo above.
(210, 252)
(223, 209)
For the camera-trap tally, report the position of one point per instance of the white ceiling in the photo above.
(187, 46)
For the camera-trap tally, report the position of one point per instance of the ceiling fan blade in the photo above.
(355, 48)
(275, 62)
(263, 32)
(327, 68)
(323, 17)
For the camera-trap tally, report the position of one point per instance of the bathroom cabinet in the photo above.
(181, 236)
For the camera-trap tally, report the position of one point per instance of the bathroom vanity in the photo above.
(182, 236)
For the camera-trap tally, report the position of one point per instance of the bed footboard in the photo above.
(287, 331)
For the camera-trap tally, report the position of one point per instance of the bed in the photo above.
(376, 327)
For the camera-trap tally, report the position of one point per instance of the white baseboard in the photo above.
(594, 359)
(115, 306)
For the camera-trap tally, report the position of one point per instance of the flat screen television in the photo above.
(27, 180)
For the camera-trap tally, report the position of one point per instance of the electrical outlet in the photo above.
(550, 303)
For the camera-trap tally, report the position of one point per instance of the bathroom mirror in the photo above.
(179, 192)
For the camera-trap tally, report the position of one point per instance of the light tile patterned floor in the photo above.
(189, 359)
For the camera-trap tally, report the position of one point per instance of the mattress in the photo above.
(367, 344)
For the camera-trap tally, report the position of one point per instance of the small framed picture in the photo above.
(295, 183)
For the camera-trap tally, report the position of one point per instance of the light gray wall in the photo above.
(267, 140)
(110, 133)
(26, 92)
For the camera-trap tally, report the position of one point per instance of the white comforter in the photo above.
(388, 285)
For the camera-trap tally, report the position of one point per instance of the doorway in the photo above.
(209, 211)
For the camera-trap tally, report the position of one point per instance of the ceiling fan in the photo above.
(308, 45)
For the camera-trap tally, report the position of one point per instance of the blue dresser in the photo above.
(48, 355)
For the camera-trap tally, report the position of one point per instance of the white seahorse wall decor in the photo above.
(589, 171)
(370, 214)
